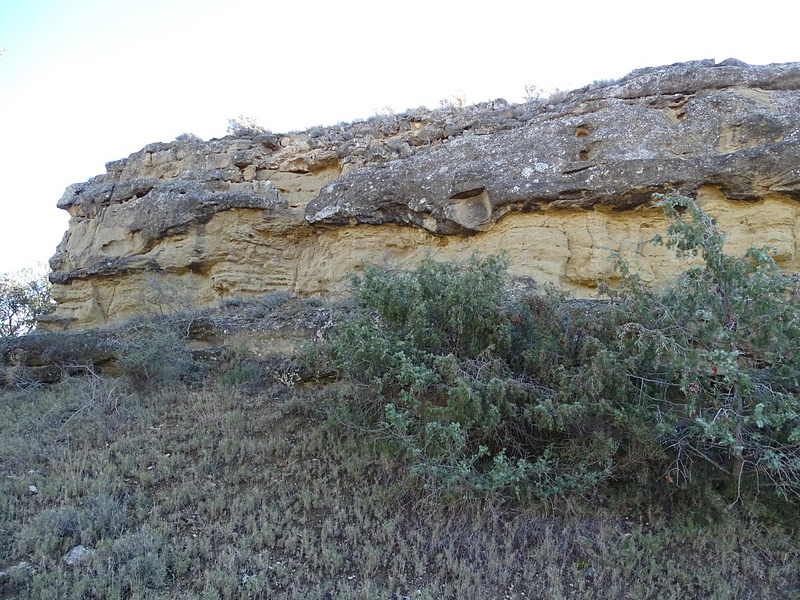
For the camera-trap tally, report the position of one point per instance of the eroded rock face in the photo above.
(557, 186)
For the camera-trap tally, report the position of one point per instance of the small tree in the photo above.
(24, 297)
(717, 355)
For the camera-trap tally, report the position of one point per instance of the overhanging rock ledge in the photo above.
(556, 184)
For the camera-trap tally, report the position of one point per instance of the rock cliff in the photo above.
(556, 184)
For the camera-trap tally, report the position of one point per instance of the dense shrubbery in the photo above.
(542, 395)
(716, 357)
(483, 392)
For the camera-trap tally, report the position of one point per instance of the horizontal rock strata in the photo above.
(558, 185)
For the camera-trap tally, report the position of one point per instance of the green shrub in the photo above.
(542, 395)
(441, 308)
(716, 357)
(238, 367)
(484, 393)
(155, 354)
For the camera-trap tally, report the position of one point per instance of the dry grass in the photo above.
(213, 493)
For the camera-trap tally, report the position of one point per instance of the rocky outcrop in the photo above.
(273, 328)
(557, 184)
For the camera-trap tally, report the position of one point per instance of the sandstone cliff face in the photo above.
(558, 186)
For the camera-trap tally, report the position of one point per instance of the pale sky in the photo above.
(85, 82)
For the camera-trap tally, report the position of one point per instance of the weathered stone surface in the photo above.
(78, 555)
(557, 186)
(736, 128)
(273, 327)
(48, 357)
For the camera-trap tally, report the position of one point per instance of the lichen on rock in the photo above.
(557, 186)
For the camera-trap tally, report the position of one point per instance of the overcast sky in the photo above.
(84, 82)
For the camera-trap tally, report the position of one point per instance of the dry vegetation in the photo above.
(414, 475)
(213, 493)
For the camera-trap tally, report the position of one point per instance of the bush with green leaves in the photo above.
(543, 395)
(485, 393)
(716, 356)
(24, 297)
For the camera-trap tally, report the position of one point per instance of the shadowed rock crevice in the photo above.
(470, 209)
